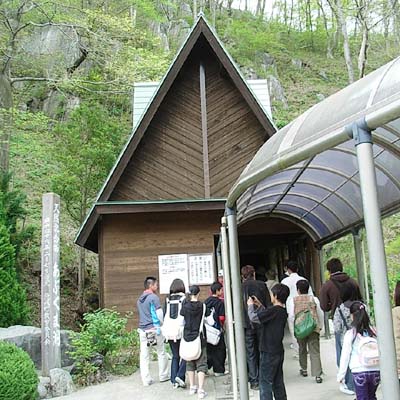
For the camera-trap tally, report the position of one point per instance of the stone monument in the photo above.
(50, 310)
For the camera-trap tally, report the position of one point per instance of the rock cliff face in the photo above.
(54, 45)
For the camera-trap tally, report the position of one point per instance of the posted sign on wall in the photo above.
(201, 269)
(193, 269)
(170, 267)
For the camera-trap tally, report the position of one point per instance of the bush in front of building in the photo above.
(18, 378)
(104, 346)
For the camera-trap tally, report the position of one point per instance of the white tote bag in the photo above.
(213, 335)
(190, 351)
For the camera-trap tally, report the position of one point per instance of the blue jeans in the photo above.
(348, 379)
(366, 384)
(272, 385)
(178, 366)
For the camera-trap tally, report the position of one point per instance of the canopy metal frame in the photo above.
(315, 151)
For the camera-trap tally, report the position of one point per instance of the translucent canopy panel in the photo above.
(308, 171)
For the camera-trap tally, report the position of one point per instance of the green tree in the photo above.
(13, 213)
(13, 307)
(85, 150)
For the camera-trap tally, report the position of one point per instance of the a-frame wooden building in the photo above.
(166, 192)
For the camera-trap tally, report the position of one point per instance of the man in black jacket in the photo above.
(253, 287)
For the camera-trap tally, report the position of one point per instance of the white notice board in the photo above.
(201, 269)
(170, 267)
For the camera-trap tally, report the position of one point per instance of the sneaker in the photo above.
(175, 386)
(148, 383)
(180, 382)
(318, 379)
(193, 390)
(344, 389)
(201, 394)
(165, 379)
(303, 372)
(254, 386)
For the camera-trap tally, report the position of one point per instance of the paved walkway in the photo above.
(298, 388)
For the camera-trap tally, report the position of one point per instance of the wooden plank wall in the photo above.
(234, 133)
(132, 243)
(168, 163)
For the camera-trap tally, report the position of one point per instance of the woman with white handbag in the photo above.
(193, 347)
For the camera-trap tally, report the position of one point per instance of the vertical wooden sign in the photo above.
(50, 312)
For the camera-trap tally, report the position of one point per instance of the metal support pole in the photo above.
(237, 303)
(322, 274)
(360, 264)
(377, 257)
(228, 307)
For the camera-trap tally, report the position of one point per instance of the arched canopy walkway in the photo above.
(334, 168)
(308, 170)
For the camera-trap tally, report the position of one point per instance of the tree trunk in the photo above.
(5, 121)
(363, 20)
(194, 9)
(309, 25)
(346, 45)
(263, 8)
(329, 53)
(396, 19)
(81, 279)
(362, 55)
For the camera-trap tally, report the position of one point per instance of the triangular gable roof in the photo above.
(201, 27)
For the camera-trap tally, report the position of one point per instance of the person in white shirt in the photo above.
(366, 377)
(295, 305)
(290, 282)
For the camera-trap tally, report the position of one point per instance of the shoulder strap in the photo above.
(343, 318)
(355, 337)
(202, 319)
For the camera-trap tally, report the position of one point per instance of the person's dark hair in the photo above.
(270, 274)
(361, 322)
(177, 286)
(215, 287)
(397, 294)
(348, 292)
(281, 292)
(248, 272)
(150, 280)
(334, 265)
(292, 265)
(302, 286)
(194, 290)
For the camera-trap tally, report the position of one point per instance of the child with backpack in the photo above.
(172, 330)
(342, 322)
(360, 353)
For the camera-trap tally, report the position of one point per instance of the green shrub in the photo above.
(104, 333)
(18, 378)
(13, 307)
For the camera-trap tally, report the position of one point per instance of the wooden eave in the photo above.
(201, 27)
(139, 207)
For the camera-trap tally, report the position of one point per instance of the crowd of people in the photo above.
(195, 331)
